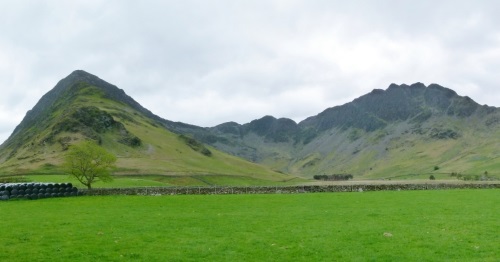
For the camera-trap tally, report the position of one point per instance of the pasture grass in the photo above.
(123, 181)
(455, 225)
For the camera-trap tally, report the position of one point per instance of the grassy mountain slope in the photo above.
(82, 106)
(404, 151)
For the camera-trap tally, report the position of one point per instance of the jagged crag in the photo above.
(366, 136)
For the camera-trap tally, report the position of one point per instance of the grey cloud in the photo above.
(244, 59)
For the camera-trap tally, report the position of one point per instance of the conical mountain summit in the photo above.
(67, 88)
(83, 106)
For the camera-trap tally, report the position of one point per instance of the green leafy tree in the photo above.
(89, 163)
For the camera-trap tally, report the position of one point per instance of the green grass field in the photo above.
(451, 225)
(159, 180)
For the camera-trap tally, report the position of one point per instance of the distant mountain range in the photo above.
(405, 131)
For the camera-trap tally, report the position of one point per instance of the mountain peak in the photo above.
(79, 76)
(67, 89)
(417, 85)
(80, 73)
(397, 103)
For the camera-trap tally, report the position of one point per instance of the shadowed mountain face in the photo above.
(403, 130)
(385, 128)
(380, 108)
(373, 111)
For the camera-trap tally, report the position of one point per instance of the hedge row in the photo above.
(36, 190)
(278, 189)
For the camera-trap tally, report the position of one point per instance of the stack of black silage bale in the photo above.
(36, 190)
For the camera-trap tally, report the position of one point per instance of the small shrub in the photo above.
(432, 177)
(206, 152)
(354, 135)
(130, 140)
(334, 177)
(195, 145)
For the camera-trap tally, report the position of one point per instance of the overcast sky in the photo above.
(208, 62)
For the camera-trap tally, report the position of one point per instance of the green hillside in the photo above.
(400, 151)
(78, 110)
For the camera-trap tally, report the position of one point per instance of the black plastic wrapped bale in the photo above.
(14, 192)
(36, 190)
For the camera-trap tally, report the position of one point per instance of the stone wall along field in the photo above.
(280, 189)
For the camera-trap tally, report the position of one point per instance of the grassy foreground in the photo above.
(455, 225)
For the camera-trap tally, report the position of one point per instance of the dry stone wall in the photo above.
(216, 190)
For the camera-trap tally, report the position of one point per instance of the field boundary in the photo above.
(225, 190)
